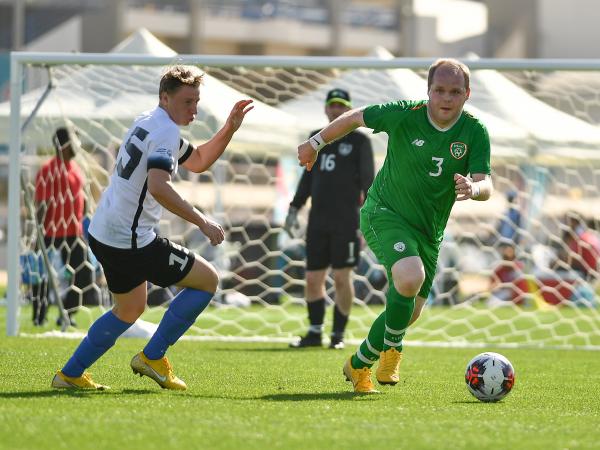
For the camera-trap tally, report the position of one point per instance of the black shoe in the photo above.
(39, 323)
(337, 343)
(72, 322)
(310, 340)
(40, 309)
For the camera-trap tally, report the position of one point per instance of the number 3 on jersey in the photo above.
(327, 163)
(438, 162)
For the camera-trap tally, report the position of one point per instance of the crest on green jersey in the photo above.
(458, 149)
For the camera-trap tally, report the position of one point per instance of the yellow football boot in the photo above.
(61, 381)
(160, 370)
(389, 366)
(360, 378)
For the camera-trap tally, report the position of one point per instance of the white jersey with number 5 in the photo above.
(127, 214)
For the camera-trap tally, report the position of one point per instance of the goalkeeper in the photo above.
(433, 147)
(338, 186)
(122, 236)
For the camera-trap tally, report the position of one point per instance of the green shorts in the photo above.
(392, 239)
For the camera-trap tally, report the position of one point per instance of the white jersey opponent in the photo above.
(127, 214)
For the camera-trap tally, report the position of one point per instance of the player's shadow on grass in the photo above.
(474, 402)
(297, 397)
(73, 393)
(285, 349)
(51, 393)
(303, 397)
(141, 391)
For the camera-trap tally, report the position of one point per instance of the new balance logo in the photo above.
(418, 142)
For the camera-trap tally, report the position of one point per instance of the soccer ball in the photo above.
(489, 377)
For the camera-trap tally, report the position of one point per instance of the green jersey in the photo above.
(417, 178)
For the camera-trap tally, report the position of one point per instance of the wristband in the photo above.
(317, 142)
(475, 190)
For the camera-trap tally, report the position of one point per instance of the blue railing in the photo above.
(305, 11)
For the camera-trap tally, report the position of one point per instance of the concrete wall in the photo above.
(64, 38)
(103, 29)
(277, 36)
(569, 29)
(512, 28)
(543, 28)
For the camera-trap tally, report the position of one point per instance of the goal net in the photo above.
(520, 269)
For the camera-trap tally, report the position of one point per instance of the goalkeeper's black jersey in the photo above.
(342, 172)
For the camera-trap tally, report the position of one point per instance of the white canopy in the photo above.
(102, 101)
(368, 86)
(506, 138)
(573, 92)
(550, 133)
(145, 43)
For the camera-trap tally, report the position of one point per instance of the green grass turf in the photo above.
(555, 326)
(265, 396)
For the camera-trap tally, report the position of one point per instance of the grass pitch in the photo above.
(265, 396)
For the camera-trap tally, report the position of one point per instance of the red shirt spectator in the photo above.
(60, 208)
(59, 185)
(509, 278)
(586, 247)
(508, 282)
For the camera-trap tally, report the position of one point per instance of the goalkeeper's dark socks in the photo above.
(101, 336)
(339, 322)
(180, 316)
(316, 314)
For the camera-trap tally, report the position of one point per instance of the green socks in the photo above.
(387, 330)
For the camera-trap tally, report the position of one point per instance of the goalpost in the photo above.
(546, 208)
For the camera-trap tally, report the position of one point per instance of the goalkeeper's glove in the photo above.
(291, 221)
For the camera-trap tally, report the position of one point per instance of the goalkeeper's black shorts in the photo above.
(338, 249)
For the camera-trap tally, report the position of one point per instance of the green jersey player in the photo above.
(437, 153)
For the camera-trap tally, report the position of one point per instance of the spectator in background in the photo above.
(508, 284)
(509, 225)
(343, 173)
(583, 245)
(60, 207)
(445, 287)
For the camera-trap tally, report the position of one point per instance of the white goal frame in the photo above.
(19, 60)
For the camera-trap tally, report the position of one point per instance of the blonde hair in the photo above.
(179, 75)
(454, 65)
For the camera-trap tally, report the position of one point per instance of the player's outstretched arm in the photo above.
(206, 154)
(161, 188)
(479, 187)
(340, 127)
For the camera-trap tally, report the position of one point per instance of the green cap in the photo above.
(338, 96)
